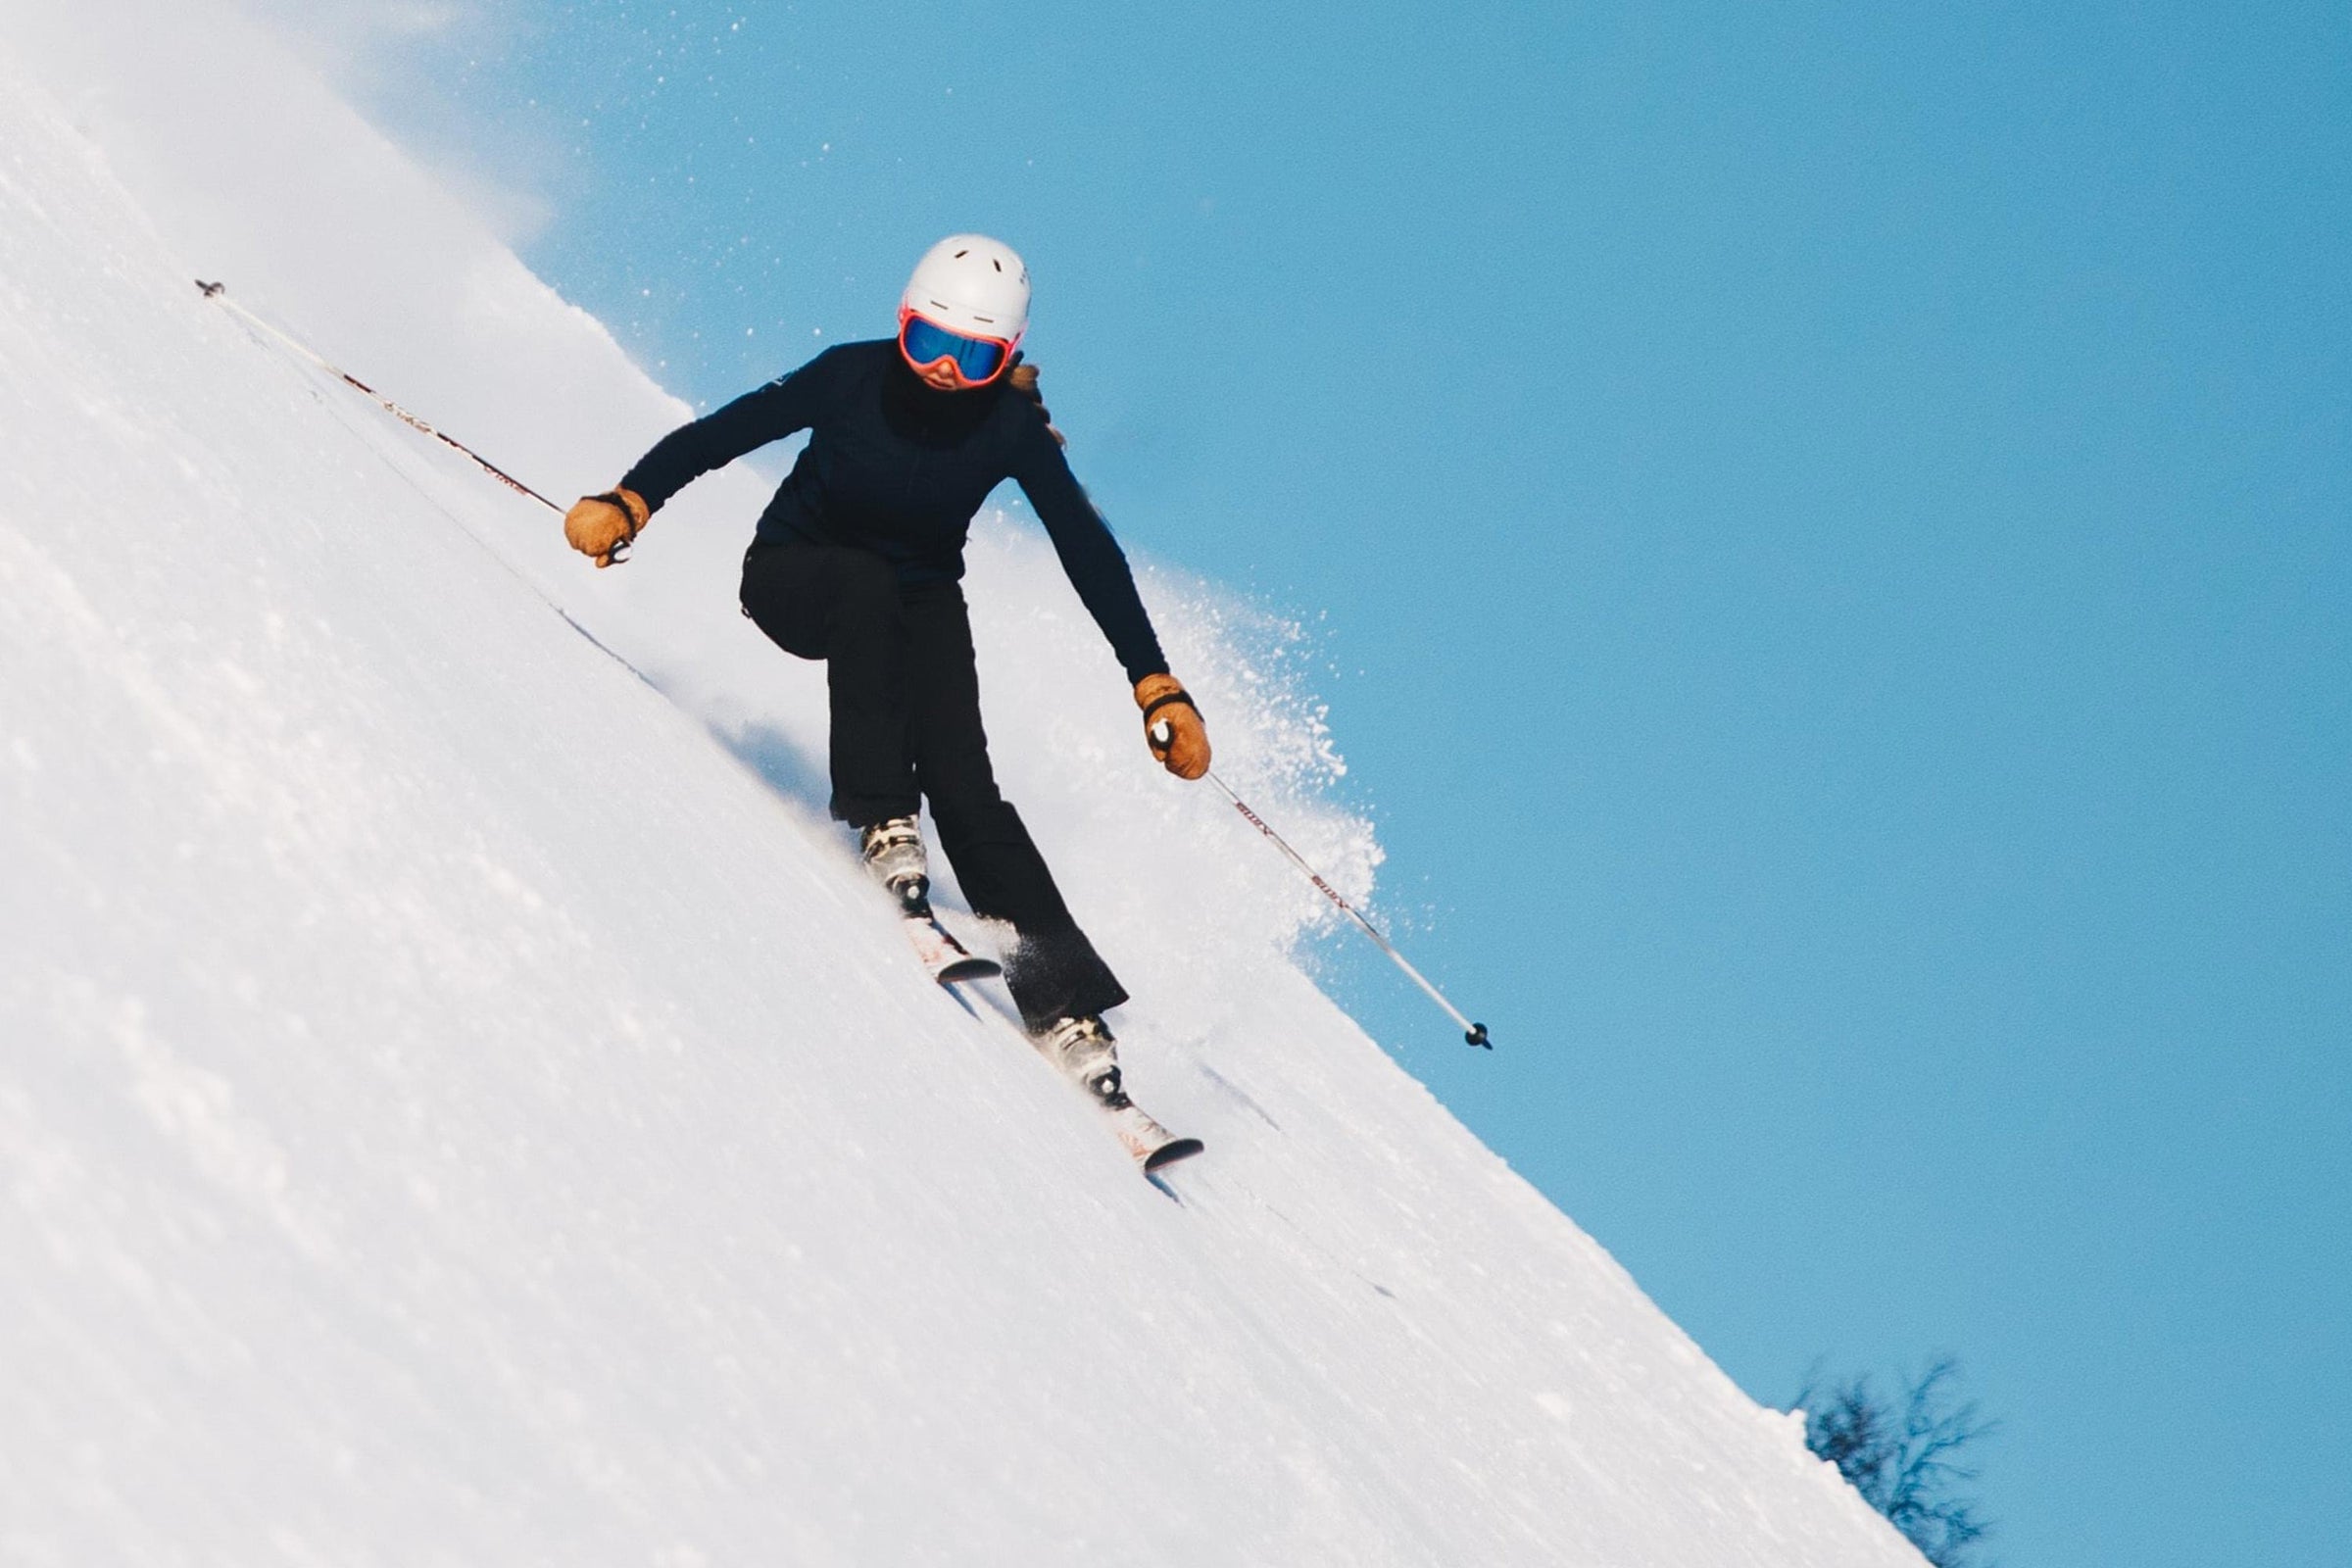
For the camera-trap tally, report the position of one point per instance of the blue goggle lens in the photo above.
(926, 345)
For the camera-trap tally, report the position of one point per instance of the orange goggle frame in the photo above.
(977, 360)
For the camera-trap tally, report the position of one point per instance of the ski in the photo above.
(1149, 1145)
(942, 957)
(1152, 1146)
(950, 964)
(1084, 1053)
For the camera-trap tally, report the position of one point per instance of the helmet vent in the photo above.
(960, 255)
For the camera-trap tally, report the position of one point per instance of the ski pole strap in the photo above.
(1179, 695)
(626, 510)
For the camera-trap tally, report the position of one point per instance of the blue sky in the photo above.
(1832, 531)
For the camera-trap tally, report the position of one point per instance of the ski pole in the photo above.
(1472, 1033)
(220, 292)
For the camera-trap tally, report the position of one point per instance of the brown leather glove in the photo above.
(1172, 725)
(604, 525)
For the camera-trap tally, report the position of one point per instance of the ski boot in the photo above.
(892, 852)
(1086, 1053)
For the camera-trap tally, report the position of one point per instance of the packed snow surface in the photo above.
(458, 1103)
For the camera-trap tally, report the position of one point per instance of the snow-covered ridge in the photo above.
(452, 1110)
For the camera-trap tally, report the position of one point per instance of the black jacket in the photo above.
(895, 467)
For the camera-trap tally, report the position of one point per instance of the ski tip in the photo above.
(966, 968)
(1169, 1153)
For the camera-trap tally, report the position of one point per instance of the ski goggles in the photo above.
(978, 360)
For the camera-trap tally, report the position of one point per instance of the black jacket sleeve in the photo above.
(1096, 565)
(775, 411)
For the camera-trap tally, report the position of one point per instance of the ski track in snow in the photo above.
(458, 1105)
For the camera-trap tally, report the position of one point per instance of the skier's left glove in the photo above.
(1172, 725)
(604, 526)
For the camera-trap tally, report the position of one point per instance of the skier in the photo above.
(859, 562)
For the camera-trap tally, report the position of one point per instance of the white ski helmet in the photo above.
(972, 284)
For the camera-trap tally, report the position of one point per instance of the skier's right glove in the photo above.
(1172, 725)
(604, 525)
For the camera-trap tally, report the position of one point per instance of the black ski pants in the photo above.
(904, 690)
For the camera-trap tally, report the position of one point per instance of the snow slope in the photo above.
(454, 1109)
